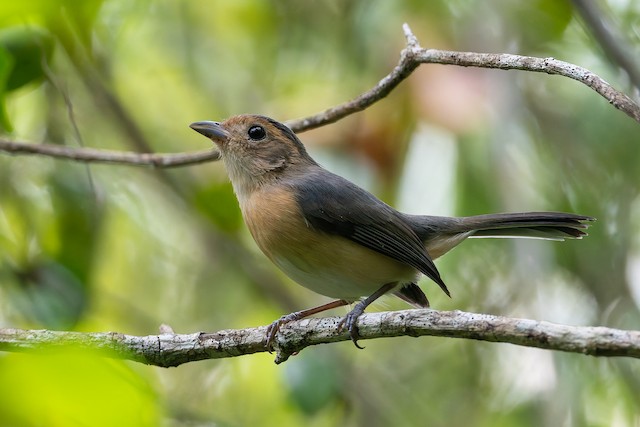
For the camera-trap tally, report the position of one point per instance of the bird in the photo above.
(337, 239)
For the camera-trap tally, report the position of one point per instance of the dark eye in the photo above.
(256, 133)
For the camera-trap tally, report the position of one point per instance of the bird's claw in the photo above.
(270, 335)
(350, 323)
(273, 328)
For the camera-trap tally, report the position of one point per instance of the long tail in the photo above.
(441, 234)
(536, 225)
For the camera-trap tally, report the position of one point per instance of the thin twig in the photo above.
(405, 67)
(96, 155)
(60, 87)
(170, 349)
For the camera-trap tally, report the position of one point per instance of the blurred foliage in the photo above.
(118, 248)
(74, 389)
(23, 53)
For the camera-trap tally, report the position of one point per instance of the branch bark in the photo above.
(168, 349)
(410, 58)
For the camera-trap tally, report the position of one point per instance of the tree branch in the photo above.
(410, 58)
(96, 155)
(168, 349)
(414, 55)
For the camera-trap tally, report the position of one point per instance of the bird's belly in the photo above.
(328, 264)
(339, 268)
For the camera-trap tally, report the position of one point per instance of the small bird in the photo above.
(337, 239)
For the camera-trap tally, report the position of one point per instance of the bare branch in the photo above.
(410, 58)
(95, 155)
(405, 67)
(170, 349)
(413, 55)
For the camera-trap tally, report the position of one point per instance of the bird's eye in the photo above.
(256, 133)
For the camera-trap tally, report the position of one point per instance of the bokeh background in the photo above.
(107, 247)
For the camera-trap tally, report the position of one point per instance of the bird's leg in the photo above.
(273, 328)
(351, 318)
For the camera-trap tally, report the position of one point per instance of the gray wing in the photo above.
(335, 205)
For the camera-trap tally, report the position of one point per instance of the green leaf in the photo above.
(29, 47)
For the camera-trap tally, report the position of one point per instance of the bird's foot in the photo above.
(350, 323)
(272, 329)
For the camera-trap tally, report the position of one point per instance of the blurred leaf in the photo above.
(47, 240)
(59, 16)
(78, 217)
(28, 47)
(48, 295)
(73, 389)
(475, 177)
(82, 15)
(540, 21)
(313, 381)
(22, 52)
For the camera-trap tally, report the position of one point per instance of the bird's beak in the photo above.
(212, 130)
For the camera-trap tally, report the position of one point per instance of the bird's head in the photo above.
(255, 149)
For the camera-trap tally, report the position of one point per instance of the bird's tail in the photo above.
(441, 234)
(536, 225)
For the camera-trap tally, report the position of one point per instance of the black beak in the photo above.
(212, 130)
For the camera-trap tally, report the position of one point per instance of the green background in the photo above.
(105, 247)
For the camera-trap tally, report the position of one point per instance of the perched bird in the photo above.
(339, 240)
